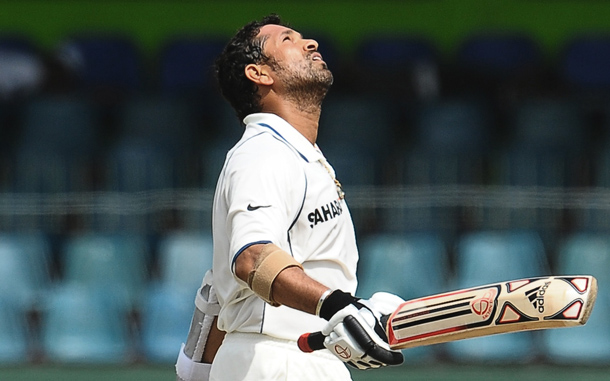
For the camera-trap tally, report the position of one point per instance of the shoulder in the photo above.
(263, 149)
(261, 160)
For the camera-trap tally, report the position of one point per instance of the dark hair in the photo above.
(243, 49)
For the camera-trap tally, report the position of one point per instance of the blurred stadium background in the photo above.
(472, 138)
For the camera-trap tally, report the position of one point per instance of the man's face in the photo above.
(296, 63)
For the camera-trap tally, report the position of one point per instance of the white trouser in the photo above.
(257, 357)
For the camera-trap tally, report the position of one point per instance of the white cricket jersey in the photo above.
(274, 188)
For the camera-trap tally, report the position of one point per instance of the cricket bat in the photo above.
(510, 306)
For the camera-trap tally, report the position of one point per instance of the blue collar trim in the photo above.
(283, 138)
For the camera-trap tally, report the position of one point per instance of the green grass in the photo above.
(432, 372)
(482, 372)
(89, 373)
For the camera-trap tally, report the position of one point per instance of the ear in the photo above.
(259, 74)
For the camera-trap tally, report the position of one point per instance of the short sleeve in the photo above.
(264, 191)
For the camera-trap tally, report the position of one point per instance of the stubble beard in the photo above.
(305, 85)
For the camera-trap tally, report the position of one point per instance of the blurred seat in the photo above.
(55, 148)
(225, 124)
(8, 136)
(187, 64)
(63, 125)
(135, 165)
(602, 171)
(103, 62)
(487, 257)
(213, 158)
(422, 167)
(538, 168)
(213, 155)
(399, 66)
(584, 253)
(501, 65)
(184, 257)
(547, 147)
(529, 173)
(227, 130)
(22, 70)
(397, 51)
(169, 124)
(499, 52)
(449, 146)
(118, 263)
(506, 255)
(454, 125)
(408, 265)
(24, 267)
(597, 219)
(451, 141)
(357, 132)
(546, 123)
(37, 246)
(14, 335)
(585, 61)
(86, 325)
(166, 317)
(47, 172)
(358, 119)
(420, 216)
(547, 140)
(353, 164)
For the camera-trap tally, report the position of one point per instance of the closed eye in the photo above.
(289, 35)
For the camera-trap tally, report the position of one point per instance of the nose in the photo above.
(311, 45)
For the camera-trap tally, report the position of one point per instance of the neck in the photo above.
(303, 116)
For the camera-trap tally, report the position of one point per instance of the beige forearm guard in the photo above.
(271, 262)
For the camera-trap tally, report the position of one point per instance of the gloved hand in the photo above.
(355, 332)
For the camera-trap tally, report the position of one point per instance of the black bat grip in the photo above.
(309, 342)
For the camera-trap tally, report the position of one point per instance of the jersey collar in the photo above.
(286, 132)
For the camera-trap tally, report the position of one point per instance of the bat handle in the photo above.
(313, 341)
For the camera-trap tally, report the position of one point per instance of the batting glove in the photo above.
(355, 332)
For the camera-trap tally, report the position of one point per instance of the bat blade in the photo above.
(511, 306)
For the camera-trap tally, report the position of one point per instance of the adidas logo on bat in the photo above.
(536, 296)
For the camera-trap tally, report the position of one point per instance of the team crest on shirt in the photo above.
(325, 213)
